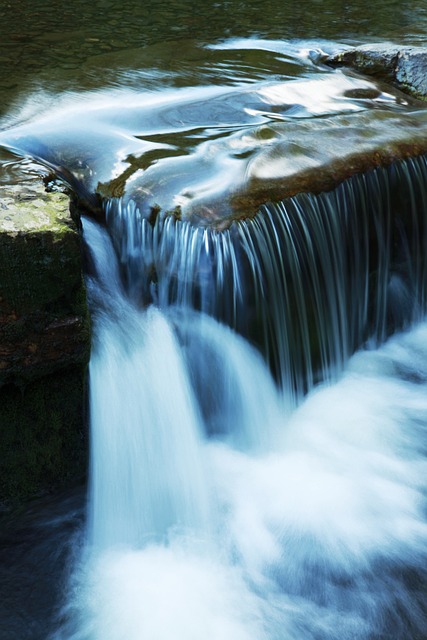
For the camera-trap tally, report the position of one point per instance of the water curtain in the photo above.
(308, 280)
(216, 508)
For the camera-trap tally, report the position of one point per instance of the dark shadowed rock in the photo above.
(45, 338)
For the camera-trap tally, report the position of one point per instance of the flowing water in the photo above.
(258, 435)
(217, 510)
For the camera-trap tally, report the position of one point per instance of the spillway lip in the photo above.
(245, 206)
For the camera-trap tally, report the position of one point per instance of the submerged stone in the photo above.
(317, 156)
(44, 349)
(281, 159)
(213, 154)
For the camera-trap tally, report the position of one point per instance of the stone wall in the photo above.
(44, 342)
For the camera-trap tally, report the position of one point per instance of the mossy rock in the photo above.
(40, 261)
(44, 318)
(45, 342)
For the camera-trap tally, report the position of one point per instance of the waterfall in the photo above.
(309, 280)
(226, 506)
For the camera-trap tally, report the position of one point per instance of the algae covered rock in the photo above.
(45, 338)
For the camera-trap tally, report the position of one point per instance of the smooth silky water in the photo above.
(258, 436)
(216, 510)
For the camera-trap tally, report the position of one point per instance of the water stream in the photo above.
(258, 390)
(218, 510)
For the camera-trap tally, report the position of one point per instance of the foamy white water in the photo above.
(216, 513)
(146, 430)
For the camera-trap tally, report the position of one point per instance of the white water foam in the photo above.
(197, 532)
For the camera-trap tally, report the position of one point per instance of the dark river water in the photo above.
(78, 45)
(59, 46)
(170, 102)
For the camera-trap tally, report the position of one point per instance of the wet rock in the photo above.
(45, 338)
(406, 67)
(314, 157)
(353, 125)
(411, 71)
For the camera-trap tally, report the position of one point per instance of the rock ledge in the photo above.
(406, 67)
(45, 341)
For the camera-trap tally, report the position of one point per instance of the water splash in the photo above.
(218, 509)
(198, 531)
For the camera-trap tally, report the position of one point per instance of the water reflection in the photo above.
(258, 111)
(174, 92)
(87, 45)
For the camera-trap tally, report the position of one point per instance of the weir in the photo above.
(257, 389)
(308, 281)
(218, 508)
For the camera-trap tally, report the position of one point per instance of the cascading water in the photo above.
(126, 459)
(309, 280)
(217, 509)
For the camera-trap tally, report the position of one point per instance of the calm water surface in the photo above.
(57, 45)
(81, 45)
